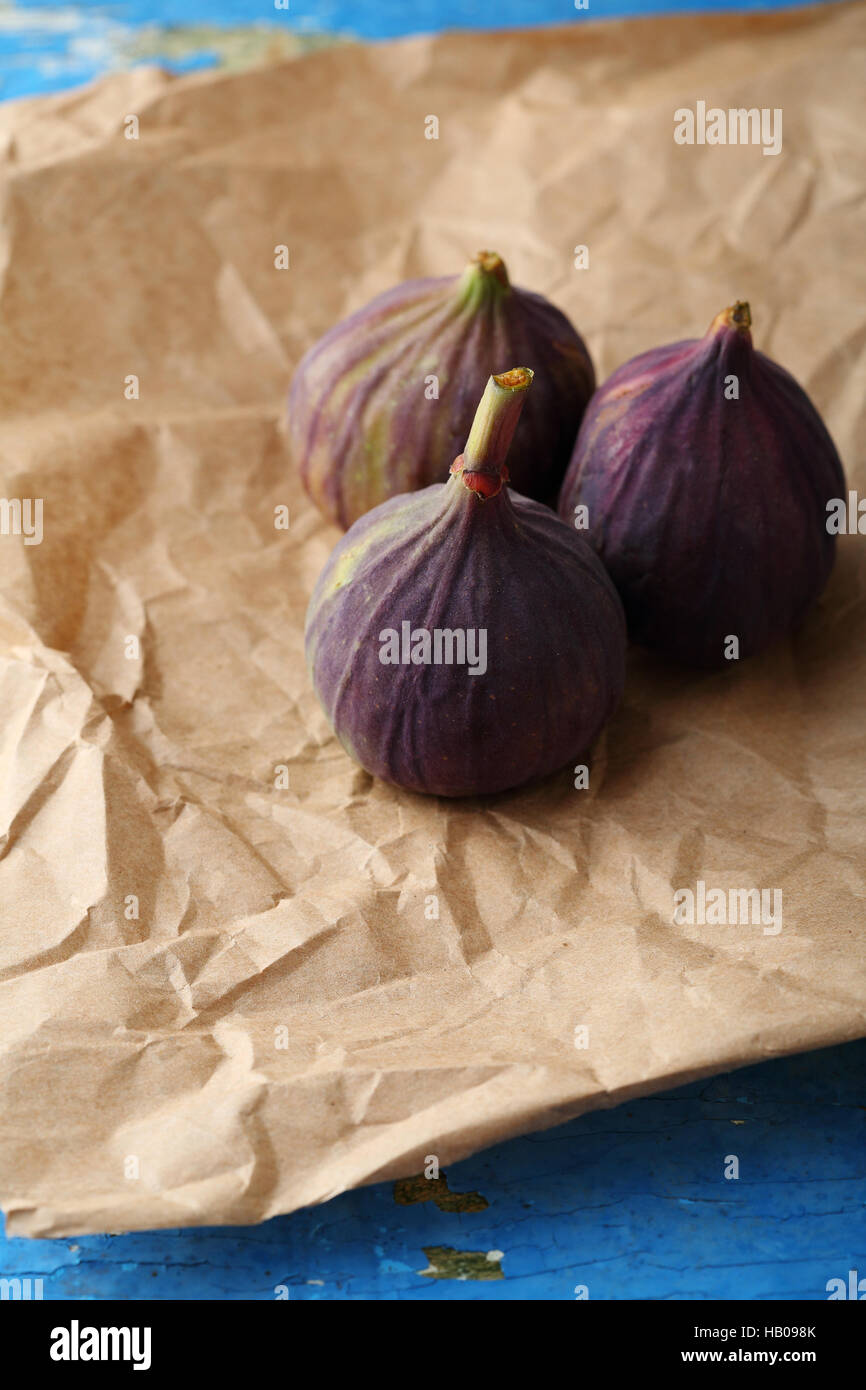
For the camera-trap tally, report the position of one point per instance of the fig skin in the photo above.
(468, 554)
(709, 514)
(361, 428)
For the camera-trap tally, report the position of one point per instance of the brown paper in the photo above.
(286, 1016)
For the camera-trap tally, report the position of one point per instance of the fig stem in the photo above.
(737, 316)
(495, 421)
(484, 278)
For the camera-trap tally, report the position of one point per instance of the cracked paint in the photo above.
(446, 1263)
(420, 1189)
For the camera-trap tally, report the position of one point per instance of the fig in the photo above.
(701, 473)
(390, 392)
(462, 639)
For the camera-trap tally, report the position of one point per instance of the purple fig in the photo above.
(462, 639)
(390, 392)
(702, 472)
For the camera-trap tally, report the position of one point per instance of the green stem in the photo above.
(484, 278)
(482, 463)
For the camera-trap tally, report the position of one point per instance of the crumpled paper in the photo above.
(238, 975)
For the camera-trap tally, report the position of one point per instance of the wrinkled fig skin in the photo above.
(360, 425)
(709, 514)
(450, 557)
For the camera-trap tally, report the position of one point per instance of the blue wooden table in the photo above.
(627, 1203)
(48, 45)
